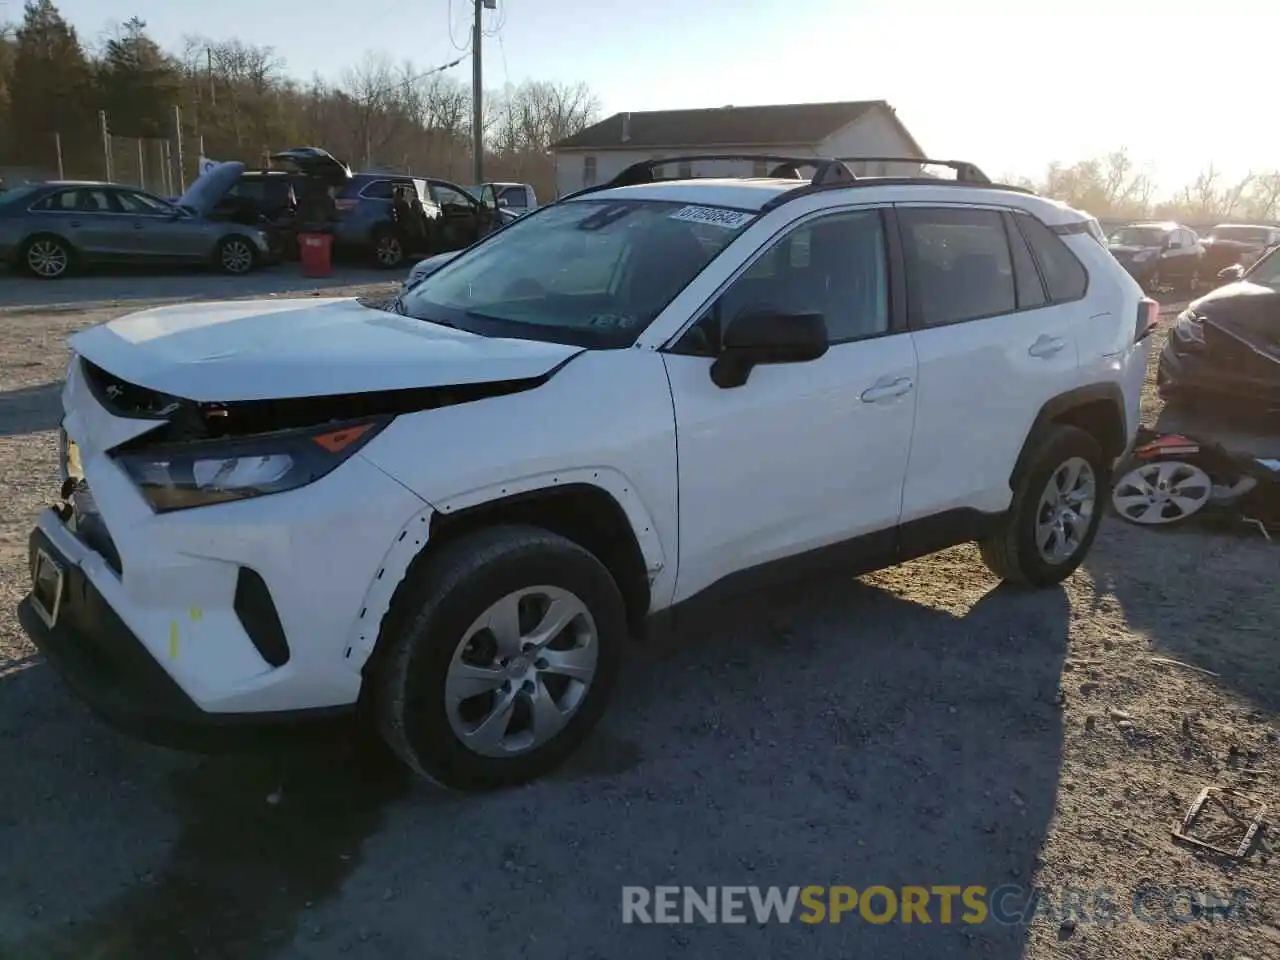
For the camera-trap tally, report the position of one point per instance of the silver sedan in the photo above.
(47, 229)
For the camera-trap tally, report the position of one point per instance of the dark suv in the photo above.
(1160, 255)
(433, 215)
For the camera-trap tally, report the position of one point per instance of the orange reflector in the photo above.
(333, 442)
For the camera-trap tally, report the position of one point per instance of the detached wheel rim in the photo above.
(1160, 493)
(389, 251)
(1065, 511)
(521, 671)
(47, 258)
(236, 256)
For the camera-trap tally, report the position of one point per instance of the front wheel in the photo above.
(1055, 513)
(388, 250)
(235, 256)
(498, 657)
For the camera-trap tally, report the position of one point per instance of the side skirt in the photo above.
(849, 558)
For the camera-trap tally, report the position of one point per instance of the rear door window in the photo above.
(1065, 278)
(958, 264)
(377, 190)
(1027, 284)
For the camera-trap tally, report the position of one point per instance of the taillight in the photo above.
(1148, 317)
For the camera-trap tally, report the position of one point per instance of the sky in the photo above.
(1009, 86)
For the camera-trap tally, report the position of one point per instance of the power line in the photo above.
(409, 81)
(463, 47)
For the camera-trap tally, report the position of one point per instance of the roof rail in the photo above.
(788, 168)
(966, 172)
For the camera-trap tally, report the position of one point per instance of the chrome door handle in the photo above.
(75, 223)
(1046, 347)
(138, 226)
(887, 390)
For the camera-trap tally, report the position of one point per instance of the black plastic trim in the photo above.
(1056, 407)
(259, 617)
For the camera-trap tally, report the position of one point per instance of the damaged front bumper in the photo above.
(199, 624)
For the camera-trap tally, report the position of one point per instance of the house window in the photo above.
(760, 168)
(686, 170)
(588, 171)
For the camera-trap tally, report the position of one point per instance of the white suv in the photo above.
(453, 511)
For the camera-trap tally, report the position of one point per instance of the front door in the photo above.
(801, 456)
(158, 231)
(460, 215)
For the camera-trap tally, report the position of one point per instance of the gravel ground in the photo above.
(914, 727)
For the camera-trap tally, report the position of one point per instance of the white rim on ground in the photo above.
(1165, 491)
(1065, 509)
(47, 258)
(389, 251)
(521, 671)
(236, 256)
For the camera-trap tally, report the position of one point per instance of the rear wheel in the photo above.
(235, 255)
(1054, 515)
(499, 655)
(46, 257)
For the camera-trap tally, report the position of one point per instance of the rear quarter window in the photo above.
(1065, 277)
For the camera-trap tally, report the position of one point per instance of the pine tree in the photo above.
(138, 83)
(50, 89)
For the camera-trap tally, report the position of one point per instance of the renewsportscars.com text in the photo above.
(945, 904)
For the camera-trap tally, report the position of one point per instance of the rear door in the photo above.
(461, 216)
(992, 349)
(86, 217)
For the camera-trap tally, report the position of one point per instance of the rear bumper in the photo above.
(104, 663)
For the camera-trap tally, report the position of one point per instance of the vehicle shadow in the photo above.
(1229, 632)
(838, 736)
(30, 409)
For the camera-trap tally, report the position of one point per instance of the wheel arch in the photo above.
(598, 511)
(35, 235)
(1098, 409)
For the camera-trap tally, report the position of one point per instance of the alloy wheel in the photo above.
(521, 671)
(1163, 492)
(236, 256)
(389, 252)
(1065, 511)
(47, 258)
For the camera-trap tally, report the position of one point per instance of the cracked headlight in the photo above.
(1187, 328)
(177, 476)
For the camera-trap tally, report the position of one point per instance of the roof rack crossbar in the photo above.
(787, 166)
(965, 171)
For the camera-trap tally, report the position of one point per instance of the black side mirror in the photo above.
(767, 336)
(1231, 273)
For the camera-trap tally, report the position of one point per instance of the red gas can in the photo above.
(316, 252)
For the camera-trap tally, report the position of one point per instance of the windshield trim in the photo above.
(1272, 254)
(490, 326)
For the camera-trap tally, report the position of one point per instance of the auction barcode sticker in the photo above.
(713, 216)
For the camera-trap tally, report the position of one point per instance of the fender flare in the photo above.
(1055, 407)
(415, 535)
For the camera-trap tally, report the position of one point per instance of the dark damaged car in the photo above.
(1226, 344)
(1160, 255)
(1232, 244)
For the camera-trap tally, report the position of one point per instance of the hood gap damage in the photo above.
(181, 421)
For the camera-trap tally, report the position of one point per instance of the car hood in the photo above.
(277, 349)
(210, 186)
(1248, 313)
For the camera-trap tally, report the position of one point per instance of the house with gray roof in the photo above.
(859, 128)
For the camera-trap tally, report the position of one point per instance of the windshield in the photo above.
(1266, 271)
(1239, 234)
(587, 272)
(1137, 237)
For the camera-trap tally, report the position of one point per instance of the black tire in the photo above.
(432, 610)
(236, 255)
(388, 250)
(1011, 554)
(46, 248)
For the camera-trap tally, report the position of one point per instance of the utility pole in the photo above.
(106, 145)
(477, 90)
(177, 127)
